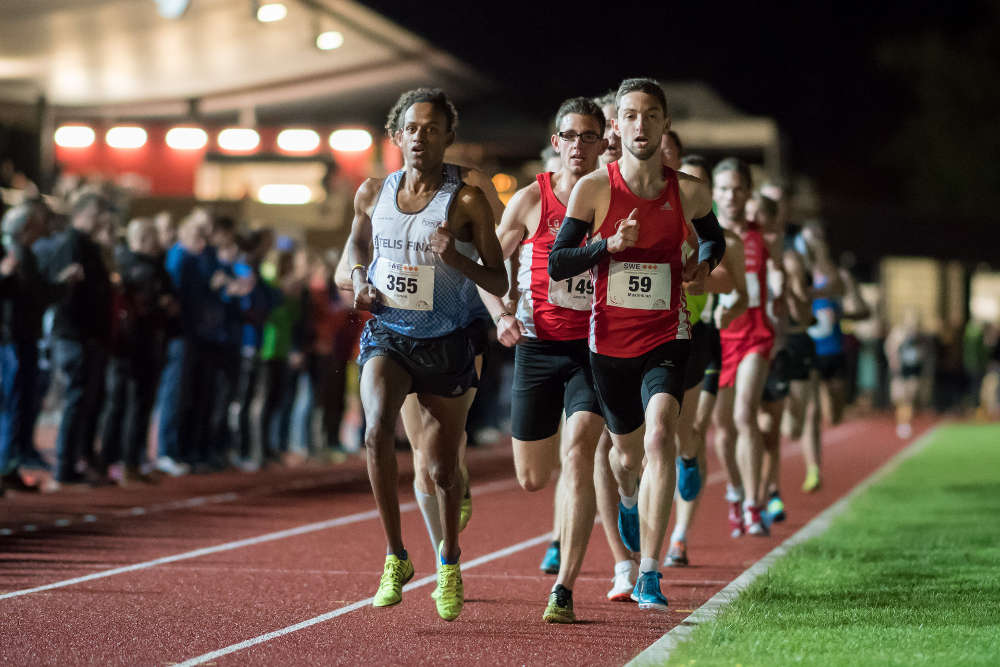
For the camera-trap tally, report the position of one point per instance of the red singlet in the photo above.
(551, 310)
(638, 300)
(752, 331)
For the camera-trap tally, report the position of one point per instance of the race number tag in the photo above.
(639, 285)
(405, 286)
(577, 293)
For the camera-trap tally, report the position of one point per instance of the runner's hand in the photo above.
(694, 277)
(724, 317)
(627, 234)
(442, 242)
(8, 264)
(365, 296)
(510, 330)
(71, 274)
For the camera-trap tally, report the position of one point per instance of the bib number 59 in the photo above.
(640, 284)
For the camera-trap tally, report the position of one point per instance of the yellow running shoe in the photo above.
(390, 587)
(450, 592)
(560, 607)
(813, 481)
(465, 509)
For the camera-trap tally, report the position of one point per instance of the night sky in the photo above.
(840, 78)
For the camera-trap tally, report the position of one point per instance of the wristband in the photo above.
(355, 268)
(501, 316)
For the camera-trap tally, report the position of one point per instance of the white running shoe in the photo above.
(623, 584)
(168, 466)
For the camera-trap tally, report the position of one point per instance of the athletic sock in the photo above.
(624, 566)
(679, 534)
(775, 494)
(629, 501)
(734, 494)
(402, 555)
(689, 462)
(432, 516)
(648, 565)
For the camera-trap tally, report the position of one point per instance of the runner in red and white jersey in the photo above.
(636, 213)
(746, 352)
(551, 360)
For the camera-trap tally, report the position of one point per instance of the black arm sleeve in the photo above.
(567, 258)
(711, 240)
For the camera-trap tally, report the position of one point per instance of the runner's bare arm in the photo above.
(735, 264)
(472, 217)
(854, 304)
(510, 233)
(358, 250)
(797, 291)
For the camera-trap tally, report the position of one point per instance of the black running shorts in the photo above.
(831, 366)
(624, 386)
(550, 377)
(443, 366)
(777, 384)
(801, 356)
(704, 345)
(714, 365)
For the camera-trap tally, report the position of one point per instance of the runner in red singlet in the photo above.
(551, 361)
(746, 348)
(635, 212)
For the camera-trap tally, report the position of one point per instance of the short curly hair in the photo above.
(435, 96)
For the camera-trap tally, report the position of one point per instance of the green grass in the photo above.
(908, 575)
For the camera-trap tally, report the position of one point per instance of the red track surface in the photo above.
(174, 611)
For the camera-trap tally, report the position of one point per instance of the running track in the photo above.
(279, 567)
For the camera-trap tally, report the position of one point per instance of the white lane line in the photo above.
(354, 606)
(248, 542)
(659, 652)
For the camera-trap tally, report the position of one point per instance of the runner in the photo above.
(701, 379)
(626, 565)
(791, 365)
(746, 351)
(906, 352)
(410, 250)
(634, 211)
(551, 362)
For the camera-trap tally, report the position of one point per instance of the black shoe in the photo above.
(35, 461)
(12, 481)
(71, 477)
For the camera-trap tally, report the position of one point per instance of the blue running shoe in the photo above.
(628, 526)
(688, 478)
(550, 563)
(776, 509)
(647, 592)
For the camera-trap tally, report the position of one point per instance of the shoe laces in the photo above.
(564, 597)
(449, 578)
(393, 572)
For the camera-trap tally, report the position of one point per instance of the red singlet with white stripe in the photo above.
(754, 326)
(638, 300)
(551, 310)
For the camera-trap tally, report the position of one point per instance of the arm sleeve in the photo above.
(711, 240)
(567, 258)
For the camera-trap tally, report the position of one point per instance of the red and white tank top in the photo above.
(551, 310)
(754, 324)
(638, 300)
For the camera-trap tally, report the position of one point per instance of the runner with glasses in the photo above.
(551, 361)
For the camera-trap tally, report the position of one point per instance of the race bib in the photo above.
(405, 286)
(577, 293)
(639, 285)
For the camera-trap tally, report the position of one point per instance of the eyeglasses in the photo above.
(585, 137)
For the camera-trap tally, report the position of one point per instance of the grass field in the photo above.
(908, 575)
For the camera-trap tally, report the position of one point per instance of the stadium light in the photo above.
(350, 140)
(298, 141)
(74, 136)
(238, 139)
(329, 40)
(271, 12)
(187, 138)
(284, 193)
(125, 136)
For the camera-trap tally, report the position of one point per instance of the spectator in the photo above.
(25, 293)
(143, 304)
(81, 331)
